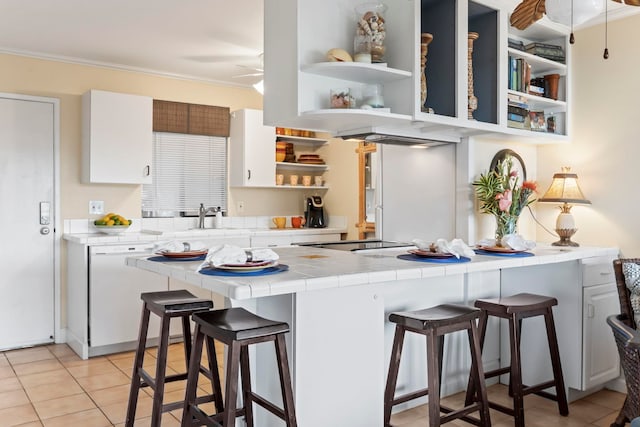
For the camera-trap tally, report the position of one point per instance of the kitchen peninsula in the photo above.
(337, 303)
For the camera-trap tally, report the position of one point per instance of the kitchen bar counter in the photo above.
(314, 268)
(337, 304)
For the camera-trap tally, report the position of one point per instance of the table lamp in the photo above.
(564, 189)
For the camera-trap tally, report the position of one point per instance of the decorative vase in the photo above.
(505, 224)
(551, 85)
(473, 101)
(425, 39)
(370, 22)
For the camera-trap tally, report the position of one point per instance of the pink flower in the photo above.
(513, 173)
(504, 200)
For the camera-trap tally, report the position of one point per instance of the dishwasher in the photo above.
(114, 298)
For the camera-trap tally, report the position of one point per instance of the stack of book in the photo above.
(519, 74)
(518, 112)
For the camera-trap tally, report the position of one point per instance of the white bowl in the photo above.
(112, 229)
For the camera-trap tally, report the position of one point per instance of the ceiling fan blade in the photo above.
(247, 75)
(527, 12)
(629, 2)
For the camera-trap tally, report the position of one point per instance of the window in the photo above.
(187, 170)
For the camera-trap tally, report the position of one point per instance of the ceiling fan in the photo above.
(529, 11)
(259, 71)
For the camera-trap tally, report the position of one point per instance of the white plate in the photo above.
(247, 268)
(113, 229)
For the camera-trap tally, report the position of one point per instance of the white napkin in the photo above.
(178, 246)
(456, 247)
(513, 241)
(228, 254)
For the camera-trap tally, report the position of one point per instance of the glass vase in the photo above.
(370, 22)
(505, 224)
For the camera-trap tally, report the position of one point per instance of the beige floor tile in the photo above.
(12, 398)
(75, 360)
(31, 424)
(8, 384)
(67, 387)
(116, 356)
(28, 355)
(168, 420)
(588, 411)
(3, 360)
(98, 382)
(7, 372)
(88, 418)
(61, 350)
(50, 377)
(607, 420)
(108, 396)
(104, 367)
(17, 415)
(609, 398)
(63, 406)
(117, 412)
(37, 367)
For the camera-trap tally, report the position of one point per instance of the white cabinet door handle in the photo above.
(591, 311)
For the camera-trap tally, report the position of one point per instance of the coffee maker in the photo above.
(314, 215)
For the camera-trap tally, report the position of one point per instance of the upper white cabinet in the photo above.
(117, 138)
(252, 148)
(299, 80)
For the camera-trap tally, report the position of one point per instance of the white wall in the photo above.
(604, 143)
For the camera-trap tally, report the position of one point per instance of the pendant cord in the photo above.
(606, 31)
(572, 39)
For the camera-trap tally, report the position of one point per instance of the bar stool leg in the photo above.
(561, 395)
(137, 366)
(477, 373)
(247, 399)
(482, 332)
(192, 377)
(516, 372)
(433, 379)
(285, 381)
(161, 370)
(392, 377)
(231, 387)
(186, 335)
(215, 375)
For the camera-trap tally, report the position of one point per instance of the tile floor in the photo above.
(51, 386)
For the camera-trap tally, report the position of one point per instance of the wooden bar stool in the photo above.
(435, 323)
(166, 305)
(516, 308)
(238, 329)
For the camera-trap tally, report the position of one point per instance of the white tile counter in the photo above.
(314, 268)
(337, 305)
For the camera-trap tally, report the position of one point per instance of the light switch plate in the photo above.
(96, 207)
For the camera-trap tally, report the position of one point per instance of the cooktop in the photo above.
(357, 245)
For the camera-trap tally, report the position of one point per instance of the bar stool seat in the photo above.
(238, 328)
(435, 323)
(516, 308)
(167, 305)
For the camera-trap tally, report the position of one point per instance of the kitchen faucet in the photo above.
(202, 212)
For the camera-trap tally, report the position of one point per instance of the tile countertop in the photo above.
(134, 236)
(314, 268)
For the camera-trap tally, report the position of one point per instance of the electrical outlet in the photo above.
(240, 206)
(96, 207)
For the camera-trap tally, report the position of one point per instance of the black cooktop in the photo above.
(356, 245)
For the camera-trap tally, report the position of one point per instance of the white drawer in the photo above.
(598, 272)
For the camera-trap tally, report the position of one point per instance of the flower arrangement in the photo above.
(501, 195)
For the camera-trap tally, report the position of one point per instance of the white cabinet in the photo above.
(117, 138)
(252, 148)
(300, 79)
(601, 361)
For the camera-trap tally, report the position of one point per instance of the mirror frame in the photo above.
(363, 226)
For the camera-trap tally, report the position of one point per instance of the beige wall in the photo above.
(68, 81)
(604, 143)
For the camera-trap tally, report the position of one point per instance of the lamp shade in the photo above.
(560, 11)
(564, 189)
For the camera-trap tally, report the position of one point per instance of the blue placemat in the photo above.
(506, 254)
(271, 270)
(161, 258)
(452, 260)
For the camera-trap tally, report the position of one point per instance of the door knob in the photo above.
(44, 230)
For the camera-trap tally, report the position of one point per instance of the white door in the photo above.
(27, 136)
